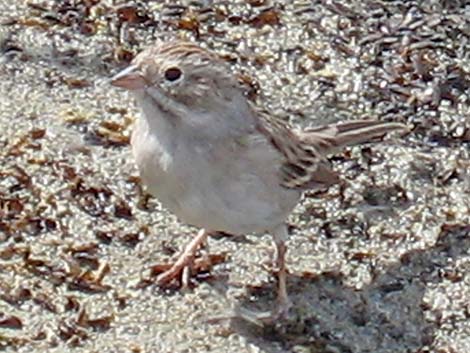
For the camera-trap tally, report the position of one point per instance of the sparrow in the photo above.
(216, 160)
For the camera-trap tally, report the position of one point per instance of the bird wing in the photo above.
(305, 165)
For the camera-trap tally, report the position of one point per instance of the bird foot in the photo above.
(178, 273)
(182, 267)
(267, 318)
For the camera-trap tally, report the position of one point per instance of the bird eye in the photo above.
(172, 74)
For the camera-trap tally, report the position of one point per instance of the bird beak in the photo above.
(129, 78)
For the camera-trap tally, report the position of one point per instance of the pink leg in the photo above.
(184, 260)
(283, 303)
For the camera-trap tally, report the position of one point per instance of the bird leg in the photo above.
(283, 304)
(184, 260)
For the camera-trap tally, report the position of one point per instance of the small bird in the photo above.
(217, 161)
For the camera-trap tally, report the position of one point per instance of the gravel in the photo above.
(377, 264)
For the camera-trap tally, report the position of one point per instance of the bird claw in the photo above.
(180, 273)
(267, 318)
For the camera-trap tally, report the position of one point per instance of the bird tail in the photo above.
(330, 139)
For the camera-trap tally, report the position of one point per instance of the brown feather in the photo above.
(305, 165)
(330, 139)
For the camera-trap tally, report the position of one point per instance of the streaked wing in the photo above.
(305, 165)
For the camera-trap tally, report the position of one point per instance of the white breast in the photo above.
(228, 186)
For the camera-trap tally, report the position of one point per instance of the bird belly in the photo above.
(228, 196)
(233, 206)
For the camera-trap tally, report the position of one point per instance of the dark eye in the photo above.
(172, 74)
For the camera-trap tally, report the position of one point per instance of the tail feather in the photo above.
(330, 139)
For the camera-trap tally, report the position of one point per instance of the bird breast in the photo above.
(230, 185)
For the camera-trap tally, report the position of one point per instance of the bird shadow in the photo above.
(388, 315)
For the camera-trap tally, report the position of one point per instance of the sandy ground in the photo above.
(378, 264)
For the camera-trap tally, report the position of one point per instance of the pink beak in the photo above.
(129, 78)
